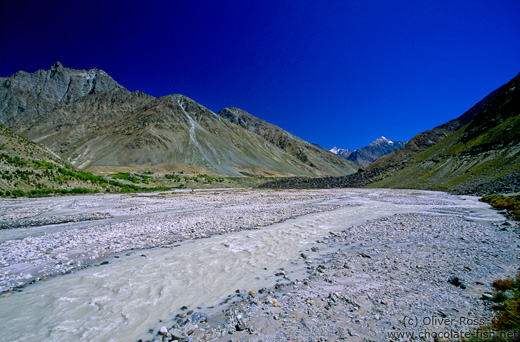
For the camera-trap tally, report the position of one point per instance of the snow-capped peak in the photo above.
(382, 140)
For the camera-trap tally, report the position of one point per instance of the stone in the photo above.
(178, 334)
(241, 324)
(454, 281)
(199, 317)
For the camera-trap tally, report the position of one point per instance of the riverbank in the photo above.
(354, 268)
(405, 277)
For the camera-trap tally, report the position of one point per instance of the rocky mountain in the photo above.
(309, 154)
(90, 120)
(428, 138)
(33, 94)
(366, 155)
(345, 153)
(481, 157)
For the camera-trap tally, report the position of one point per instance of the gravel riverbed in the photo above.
(415, 276)
(137, 221)
(394, 265)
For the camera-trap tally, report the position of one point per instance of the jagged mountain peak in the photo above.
(342, 152)
(381, 140)
(90, 120)
(56, 67)
(365, 155)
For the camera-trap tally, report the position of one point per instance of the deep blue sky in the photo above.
(336, 72)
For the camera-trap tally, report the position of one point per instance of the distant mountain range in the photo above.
(366, 155)
(89, 120)
(479, 152)
(345, 153)
(476, 153)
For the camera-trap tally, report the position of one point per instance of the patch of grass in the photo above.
(134, 178)
(506, 324)
(14, 161)
(17, 193)
(42, 164)
(509, 203)
(503, 284)
(175, 178)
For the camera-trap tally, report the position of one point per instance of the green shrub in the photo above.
(176, 178)
(511, 204)
(42, 164)
(18, 193)
(507, 318)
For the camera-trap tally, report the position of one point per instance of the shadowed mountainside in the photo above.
(482, 156)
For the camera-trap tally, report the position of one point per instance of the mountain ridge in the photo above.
(302, 150)
(481, 157)
(90, 120)
(365, 155)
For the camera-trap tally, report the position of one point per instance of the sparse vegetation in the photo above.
(509, 203)
(175, 178)
(506, 324)
(132, 177)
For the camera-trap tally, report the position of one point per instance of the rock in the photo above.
(163, 330)
(454, 281)
(241, 324)
(487, 296)
(199, 317)
(178, 334)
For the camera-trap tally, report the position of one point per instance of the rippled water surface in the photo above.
(120, 301)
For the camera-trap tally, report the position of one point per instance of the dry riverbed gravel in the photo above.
(405, 277)
(121, 223)
(417, 276)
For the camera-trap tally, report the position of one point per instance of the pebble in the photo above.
(163, 330)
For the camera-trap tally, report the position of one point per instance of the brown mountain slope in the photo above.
(309, 154)
(90, 120)
(426, 139)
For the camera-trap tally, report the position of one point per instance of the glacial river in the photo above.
(122, 300)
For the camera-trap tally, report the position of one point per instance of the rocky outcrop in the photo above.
(33, 94)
